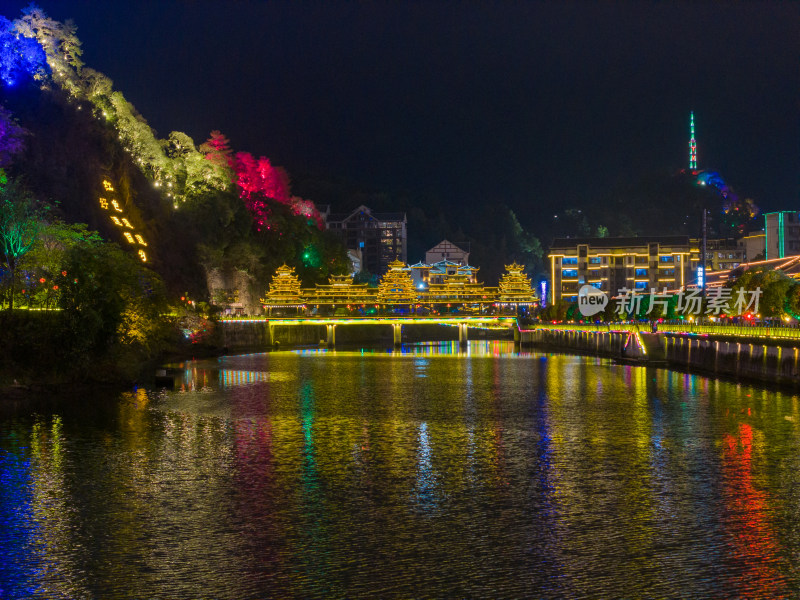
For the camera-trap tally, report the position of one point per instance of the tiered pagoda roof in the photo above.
(396, 286)
(436, 272)
(457, 287)
(285, 288)
(515, 286)
(340, 289)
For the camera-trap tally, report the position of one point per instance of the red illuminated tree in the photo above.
(217, 149)
(259, 176)
(260, 182)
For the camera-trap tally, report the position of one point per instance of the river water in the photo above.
(423, 473)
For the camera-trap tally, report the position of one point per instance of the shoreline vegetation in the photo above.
(43, 349)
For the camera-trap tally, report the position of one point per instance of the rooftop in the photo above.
(617, 242)
(394, 216)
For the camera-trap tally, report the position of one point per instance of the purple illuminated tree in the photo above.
(11, 138)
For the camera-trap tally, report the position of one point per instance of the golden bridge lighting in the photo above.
(396, 289)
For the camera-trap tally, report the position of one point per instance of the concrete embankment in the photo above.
(769, 361)
(613, 344)
(758, 359)
(252, 335)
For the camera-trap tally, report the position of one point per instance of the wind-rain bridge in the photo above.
(268, 332)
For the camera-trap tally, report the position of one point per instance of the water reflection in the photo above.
(18, 527)
(477, 472)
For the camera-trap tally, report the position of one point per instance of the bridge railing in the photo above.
(740, 330)
(505, 320)
(757, 330)
(589, 326)
(734, 329)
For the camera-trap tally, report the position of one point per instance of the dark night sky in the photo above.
(538, 105)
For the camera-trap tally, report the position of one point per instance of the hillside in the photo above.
(186, 210)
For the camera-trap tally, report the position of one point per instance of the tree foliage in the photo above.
(555, 311)
(778, 291)
(20, 216)
(525, 247)
(20, 57)
(46, 262)
(12, 138)
(110, 301)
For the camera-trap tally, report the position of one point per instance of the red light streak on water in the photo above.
(747, 511)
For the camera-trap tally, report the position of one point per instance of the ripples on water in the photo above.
(427, 473)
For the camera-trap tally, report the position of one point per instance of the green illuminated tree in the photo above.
(20, 218)
(793, 302)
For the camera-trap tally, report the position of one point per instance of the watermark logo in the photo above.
(591, 300)
(717, 300)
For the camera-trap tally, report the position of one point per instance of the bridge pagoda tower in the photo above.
(515, 287)
(397, 287)
(284, 290)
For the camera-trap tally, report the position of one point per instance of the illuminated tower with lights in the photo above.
(284, 291)
(515, 287)
(396, 286)
(692, 143)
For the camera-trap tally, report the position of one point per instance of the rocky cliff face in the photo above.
(234, 289)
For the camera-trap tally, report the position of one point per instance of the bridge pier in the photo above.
(331, 330)
(462, 334)
(397, 331)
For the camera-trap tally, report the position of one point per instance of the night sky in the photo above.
(536, 105)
